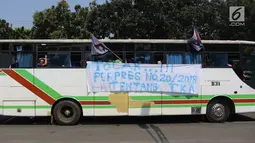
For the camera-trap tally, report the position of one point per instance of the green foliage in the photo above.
(53, 23)
(154, 19)
(21, 33)
(5, 30)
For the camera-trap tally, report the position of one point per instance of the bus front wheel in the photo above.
(217, 111)
(66, 112)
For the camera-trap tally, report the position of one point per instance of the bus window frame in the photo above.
(14, 52)
(82, 51)
(212, 51)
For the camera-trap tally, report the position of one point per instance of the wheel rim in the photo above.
(218, 110)
(67, 112)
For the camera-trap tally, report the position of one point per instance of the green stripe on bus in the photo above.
(111, 107)
(37, 82)
(170, 97)
(244, 104)
(99, 106)
(235, 96)
(80, 98)
(136, 97)
(2, 74)
(232, 96)
(105, 98)
(26, 107)
(162, 106)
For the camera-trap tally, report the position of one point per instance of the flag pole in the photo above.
(113, 53)
(206, 54)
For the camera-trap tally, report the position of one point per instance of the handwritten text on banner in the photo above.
(124, 77)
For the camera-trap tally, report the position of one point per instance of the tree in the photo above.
(21, 33)
(98, 19)
(153, 19)
(79, 23)
(53, 23)
(5, 29)
(44, 23)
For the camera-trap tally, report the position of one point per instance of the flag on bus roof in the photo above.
(98, 48)
(195, 41)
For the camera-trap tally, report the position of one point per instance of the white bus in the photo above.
(62, 89)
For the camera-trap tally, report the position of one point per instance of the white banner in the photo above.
(129, 77)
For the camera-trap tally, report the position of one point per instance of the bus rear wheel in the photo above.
(217, 111)
(66, 112)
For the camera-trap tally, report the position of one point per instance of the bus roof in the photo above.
(149, 41)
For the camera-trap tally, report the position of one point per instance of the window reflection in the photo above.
(249, 70)
(58, 60)
(23, 57)
(184, 58)
(218, 60)
(144, 58)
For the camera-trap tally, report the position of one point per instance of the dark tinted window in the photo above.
(249, 71)
(5, 60)
(57, 60)
(222, 60)
(248, 65)
(144, 58)
(184, 58)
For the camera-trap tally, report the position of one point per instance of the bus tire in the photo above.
(217, 111)
(67, 112)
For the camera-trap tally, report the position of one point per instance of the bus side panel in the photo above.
(64, 83)
(224, 82)
(3, 88)
(15, 98)
(19, 108)
(179, 104)
(144, 103)
(110, 104)
(42, 107)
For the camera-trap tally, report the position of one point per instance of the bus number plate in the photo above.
(215, 83)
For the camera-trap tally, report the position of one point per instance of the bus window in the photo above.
(218, 60)
(144, 58)
(76, 60)
(59, 60)
(144, 47)
(184, 58)
(175, 59)
(120, 55)
(193, 58)
(223, 60)
(6, 60)
(248, 62)
(249, 70)
(22, 56)
(103, 58)
(5, 56)
(16, 56)
(159, 58)
(130, 58)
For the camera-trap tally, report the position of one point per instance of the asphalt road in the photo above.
(181, 129)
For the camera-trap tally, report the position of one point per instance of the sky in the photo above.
(20, 12)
